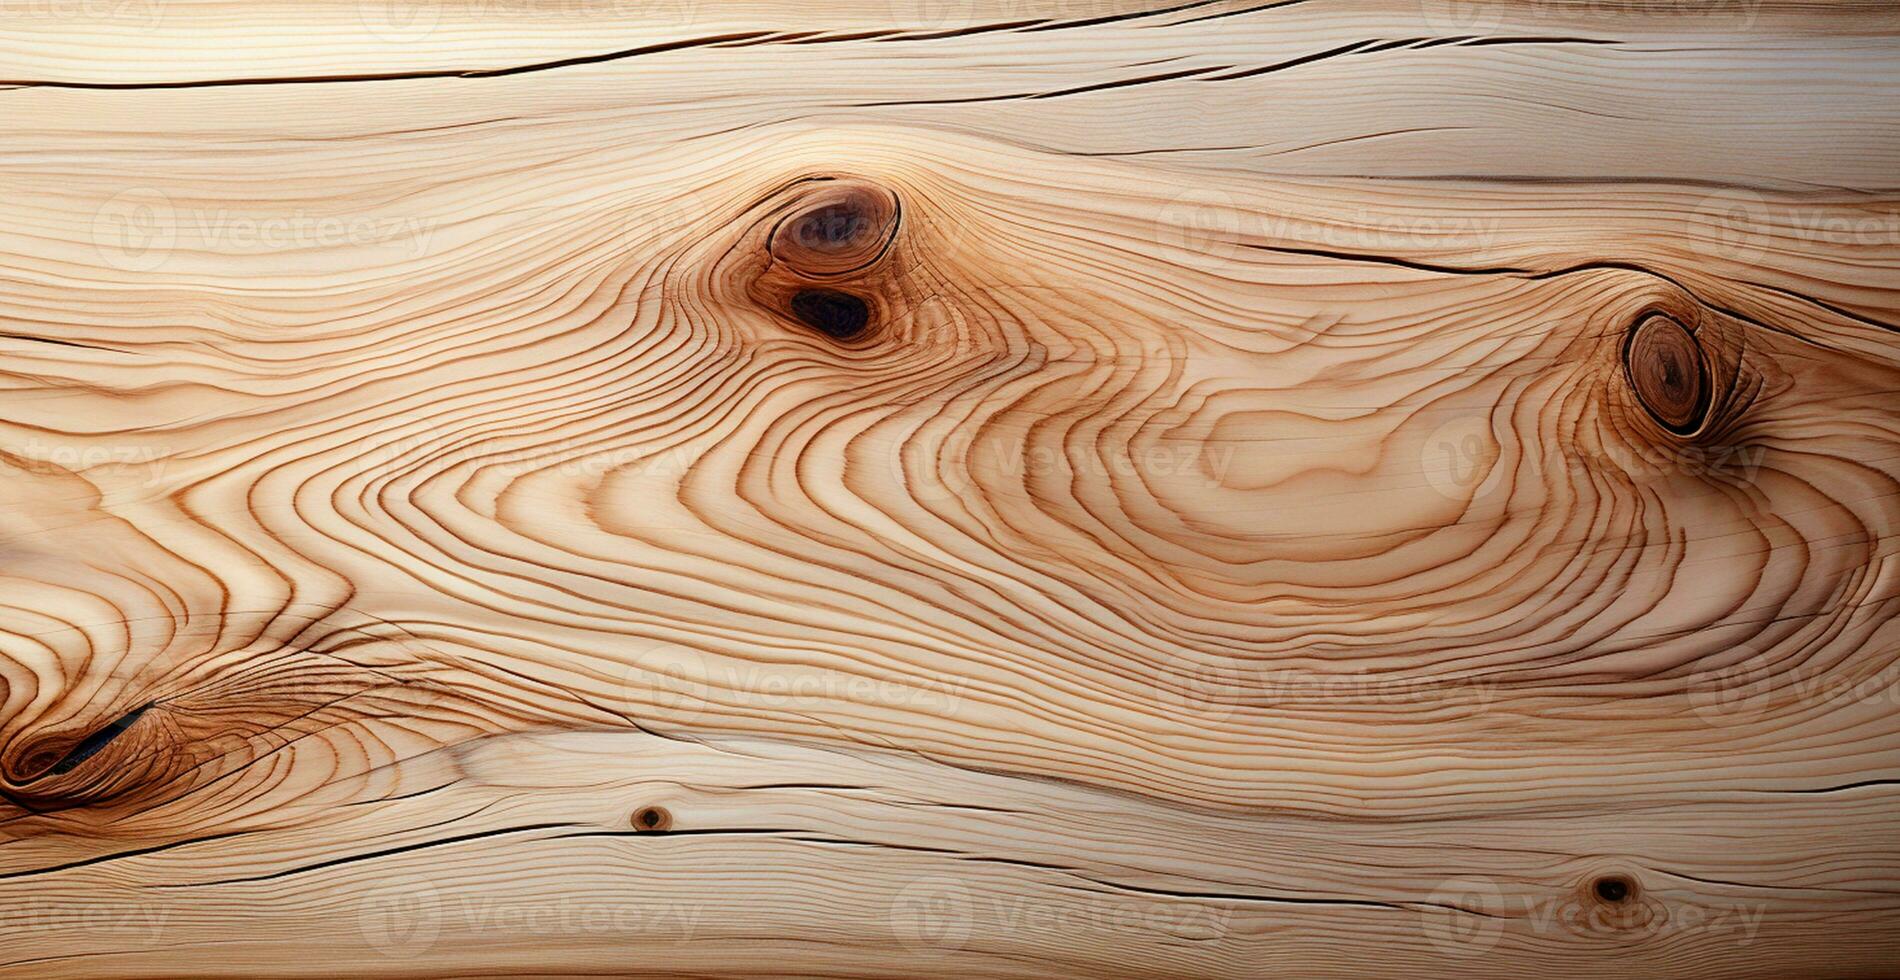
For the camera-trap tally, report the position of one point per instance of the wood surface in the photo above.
(1000, 488)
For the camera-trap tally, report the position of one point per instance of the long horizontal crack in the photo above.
(60, 343)
(373, 855)
(1234, 72)
(397, 76)
(114, 856)
(745, 38)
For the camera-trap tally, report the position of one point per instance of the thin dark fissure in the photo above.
(92, 744)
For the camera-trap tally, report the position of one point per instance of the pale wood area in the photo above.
(454, 523)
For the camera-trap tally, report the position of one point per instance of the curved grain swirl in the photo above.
(1176, 504)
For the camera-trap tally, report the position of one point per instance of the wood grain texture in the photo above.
(1010, 488)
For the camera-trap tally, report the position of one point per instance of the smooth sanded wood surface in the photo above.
(996, 488)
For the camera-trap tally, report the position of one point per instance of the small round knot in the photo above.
(836, 227)
(1613, 889)
(1666, 368)
(652, 819)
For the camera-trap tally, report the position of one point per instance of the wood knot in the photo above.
(70, 768)
(836, 227)
(1614, 889)
(1668, 372)
(840, 316)
(1611, 905)
(652, 819)
(57, 755)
